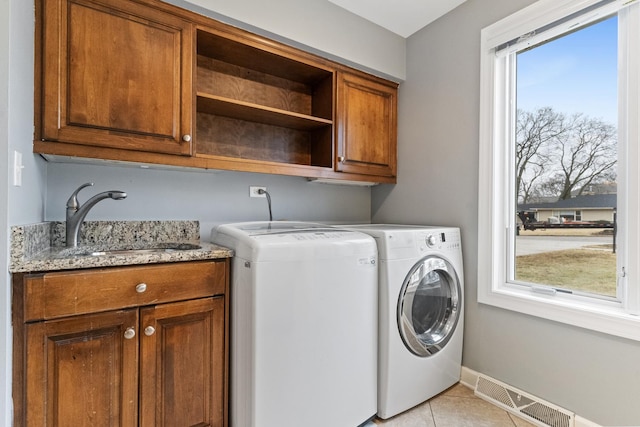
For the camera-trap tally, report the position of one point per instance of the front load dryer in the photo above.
(420, 313)
(303, 324)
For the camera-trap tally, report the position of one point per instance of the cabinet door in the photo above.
(367, 126)
(116, 74)
(183, 373)
(83, 371)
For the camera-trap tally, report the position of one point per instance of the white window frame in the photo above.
(496, 218)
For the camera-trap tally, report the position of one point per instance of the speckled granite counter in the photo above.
(41, 247)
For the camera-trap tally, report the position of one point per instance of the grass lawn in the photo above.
(585, 270)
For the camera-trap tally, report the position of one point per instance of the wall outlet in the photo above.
(254, 191)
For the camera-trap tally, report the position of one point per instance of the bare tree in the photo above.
(589, 154)
(535, 132)
(559, 156)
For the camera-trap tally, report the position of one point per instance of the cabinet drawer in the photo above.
(59, 294)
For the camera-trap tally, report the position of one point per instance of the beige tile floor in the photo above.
(455, 407)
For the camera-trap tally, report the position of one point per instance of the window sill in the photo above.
(605, 318)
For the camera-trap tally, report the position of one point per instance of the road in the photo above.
(527, 245)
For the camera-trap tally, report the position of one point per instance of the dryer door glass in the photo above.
(429, 306)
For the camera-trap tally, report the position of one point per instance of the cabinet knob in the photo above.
(149, 330)
(186, 138)
(129, 333)
(141, 287)
(341, 159)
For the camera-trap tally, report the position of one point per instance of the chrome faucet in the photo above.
(77, 213)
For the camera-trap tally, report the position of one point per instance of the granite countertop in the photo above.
(41, 247)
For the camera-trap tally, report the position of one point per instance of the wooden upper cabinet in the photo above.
(366, 125)
(143, 80)
(115, 74)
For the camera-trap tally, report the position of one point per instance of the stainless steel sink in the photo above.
(147, 249)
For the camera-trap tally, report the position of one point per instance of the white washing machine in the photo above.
(420, 313)
(303, 324)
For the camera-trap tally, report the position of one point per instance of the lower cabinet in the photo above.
(146, 364)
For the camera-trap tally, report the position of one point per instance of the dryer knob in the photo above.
(431, 240)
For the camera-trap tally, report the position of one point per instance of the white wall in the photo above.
(595, 375)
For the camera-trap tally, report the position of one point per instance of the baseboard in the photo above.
(583, 422)
(469, 378)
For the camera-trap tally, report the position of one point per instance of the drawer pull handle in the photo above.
(140, 288)
(149, 330)
(129, 333)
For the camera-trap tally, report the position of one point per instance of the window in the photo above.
(576, 158)
(566, 156)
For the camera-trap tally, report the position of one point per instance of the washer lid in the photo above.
(271, 227)
(287, 241)
(429, 306)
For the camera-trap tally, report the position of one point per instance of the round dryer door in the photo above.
(429, 306)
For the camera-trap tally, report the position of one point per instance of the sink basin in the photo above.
(154, 248)
(170, 248)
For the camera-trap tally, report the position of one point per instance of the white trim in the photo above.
(629, 125)
(538, 15)
(468, 377)
(495, 218)
(579, 21)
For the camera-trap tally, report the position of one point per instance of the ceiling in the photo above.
(403, 17)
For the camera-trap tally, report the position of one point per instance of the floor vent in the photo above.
(529, 407)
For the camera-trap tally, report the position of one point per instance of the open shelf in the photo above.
(232, 108)
(235, 138)
(256, 104)
(258, 57)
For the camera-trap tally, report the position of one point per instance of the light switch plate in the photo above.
(17, 168)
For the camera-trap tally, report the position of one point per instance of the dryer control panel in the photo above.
(439, 239)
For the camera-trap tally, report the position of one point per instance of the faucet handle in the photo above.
(73, 200)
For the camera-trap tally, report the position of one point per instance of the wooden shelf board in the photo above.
(62, 152)
(255, 53)
(258, 113)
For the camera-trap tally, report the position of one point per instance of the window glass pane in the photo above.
(565, 161)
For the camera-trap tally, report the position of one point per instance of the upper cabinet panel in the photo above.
(367, 126)
(116, 75)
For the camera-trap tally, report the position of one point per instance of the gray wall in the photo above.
(595, 375)
(162, 194)
(210, 197)
(317, 26)
(5, 295)
(23, 204)
(215, 197)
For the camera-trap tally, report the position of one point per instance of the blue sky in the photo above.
(573, 74)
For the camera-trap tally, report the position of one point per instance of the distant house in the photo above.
(592, 207)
